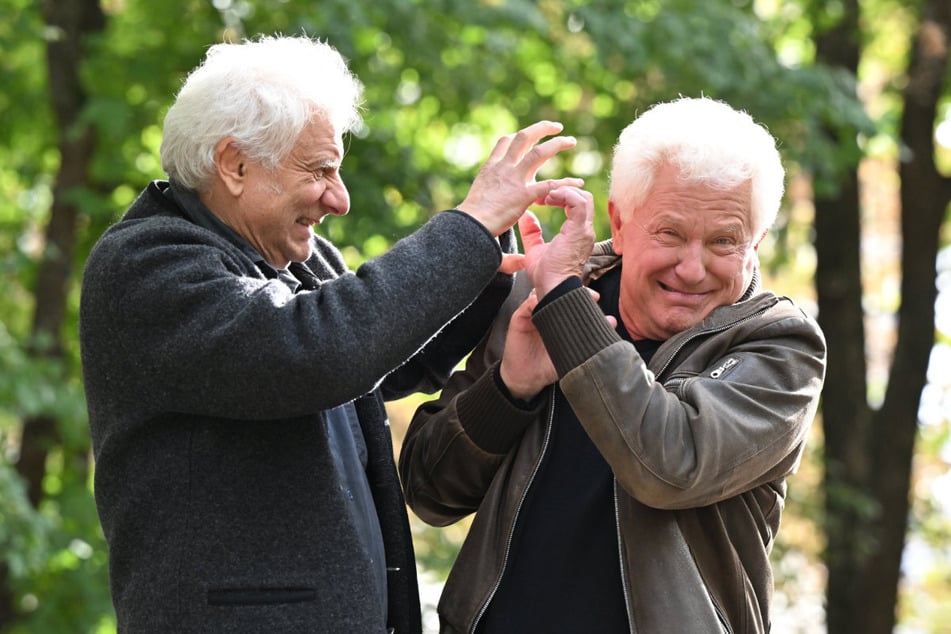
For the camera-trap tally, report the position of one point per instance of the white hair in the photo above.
(708, 141)
(263, 93)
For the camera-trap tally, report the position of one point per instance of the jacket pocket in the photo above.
(259, 596)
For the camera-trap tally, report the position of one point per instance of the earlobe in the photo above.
(230, 165)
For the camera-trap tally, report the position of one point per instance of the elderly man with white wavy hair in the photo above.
(625, 432)
(236, 370)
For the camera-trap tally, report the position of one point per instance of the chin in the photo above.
(304, 252)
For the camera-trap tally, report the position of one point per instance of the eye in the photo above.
(322, 172)
(725, 245)
(667, 235)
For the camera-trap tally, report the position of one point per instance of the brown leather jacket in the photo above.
(700, 443)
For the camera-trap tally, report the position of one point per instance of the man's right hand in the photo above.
(526, 367)
(505, 185)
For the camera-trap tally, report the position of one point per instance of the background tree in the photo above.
(869, 451)
(43, 430)
(443, 79)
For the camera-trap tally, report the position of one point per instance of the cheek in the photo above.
(736, 272)
(651, 259)
(636, 278)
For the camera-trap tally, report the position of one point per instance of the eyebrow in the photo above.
(326, 163)
(730, 228)
(666, 218)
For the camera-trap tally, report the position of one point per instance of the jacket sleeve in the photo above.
(456, 443)
(731, 415)
(183, 323)
(429, 369)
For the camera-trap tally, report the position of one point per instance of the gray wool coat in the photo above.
(207, 384)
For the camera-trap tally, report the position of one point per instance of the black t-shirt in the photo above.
(564, 572)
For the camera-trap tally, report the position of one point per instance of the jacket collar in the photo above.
(187, 204)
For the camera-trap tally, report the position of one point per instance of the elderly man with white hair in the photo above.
(625, 432)
(236, 370)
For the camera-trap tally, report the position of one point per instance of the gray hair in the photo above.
(708, 141)
(263, 93)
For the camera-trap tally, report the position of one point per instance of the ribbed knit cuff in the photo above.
(493, 422)
(574, 329)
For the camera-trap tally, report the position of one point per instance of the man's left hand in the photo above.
(549, 264)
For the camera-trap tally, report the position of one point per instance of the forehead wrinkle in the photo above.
(673, 219)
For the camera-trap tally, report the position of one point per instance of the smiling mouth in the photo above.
(670, 289)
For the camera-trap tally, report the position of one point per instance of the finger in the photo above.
(538, 155)
(501, 148)
(577, 203)
(545, 187)
(530, 302)
(526, 138)
(512, 262)
(564, 197)
(531, 231)
(569, 195)
(547, 149)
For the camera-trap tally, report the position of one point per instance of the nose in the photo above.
(691, 267)
(336, 198)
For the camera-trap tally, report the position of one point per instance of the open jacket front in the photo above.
(700, 443)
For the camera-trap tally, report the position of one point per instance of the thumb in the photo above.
(512, 262)
(531, 231)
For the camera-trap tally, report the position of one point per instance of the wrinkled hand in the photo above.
(526, 367)
(505, 185)
(547, 265)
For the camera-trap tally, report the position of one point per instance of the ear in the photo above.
(756, 246)
(231, 165)
(615, 217)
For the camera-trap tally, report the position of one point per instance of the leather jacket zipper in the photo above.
(518, 510)
(709, 331)
(625, 582)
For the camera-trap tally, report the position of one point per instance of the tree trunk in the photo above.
(70, 23)
(846, 416)
(925, 195)
(868, 454)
